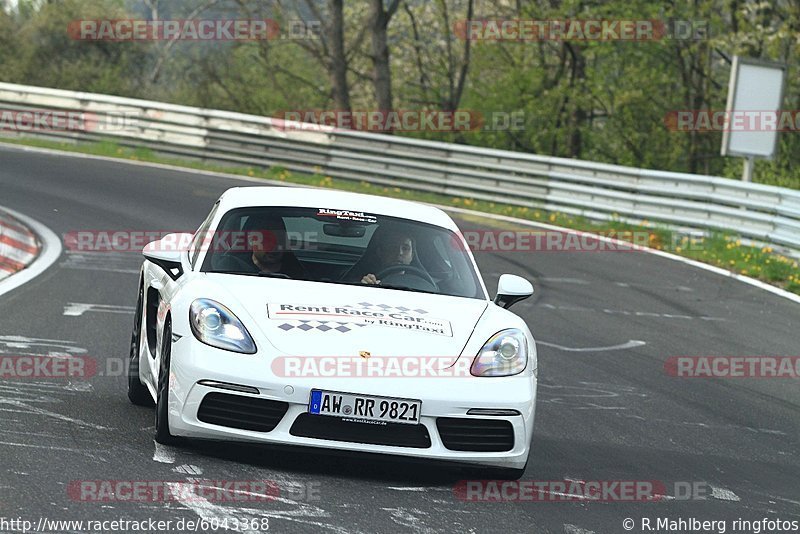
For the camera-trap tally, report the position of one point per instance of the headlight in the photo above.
(505, 354)
(215, 325)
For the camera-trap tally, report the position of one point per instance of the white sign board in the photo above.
(755, 92)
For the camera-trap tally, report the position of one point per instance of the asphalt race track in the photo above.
(607, 412)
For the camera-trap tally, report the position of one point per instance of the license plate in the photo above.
(364, 407)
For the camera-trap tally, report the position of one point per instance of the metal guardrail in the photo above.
(759, 213)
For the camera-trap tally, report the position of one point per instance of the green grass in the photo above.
(720, 249)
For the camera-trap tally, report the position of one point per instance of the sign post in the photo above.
(755, 93)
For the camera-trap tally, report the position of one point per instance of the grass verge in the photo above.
(719, 249)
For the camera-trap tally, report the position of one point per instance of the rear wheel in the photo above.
(163, 434)
(137, 392)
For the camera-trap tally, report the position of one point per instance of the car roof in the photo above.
(306, 197)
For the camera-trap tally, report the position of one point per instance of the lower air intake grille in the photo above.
(335, 429)
(238, 411)
(477, 435)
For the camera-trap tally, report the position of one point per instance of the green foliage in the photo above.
(595, 100)
(45, 54)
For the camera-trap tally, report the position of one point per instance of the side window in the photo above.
(199, 236)
(454, 267)
(444, 254)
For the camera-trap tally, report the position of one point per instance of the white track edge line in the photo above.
(700, 265)
(694, 263)
(165, 166)
(48, 255)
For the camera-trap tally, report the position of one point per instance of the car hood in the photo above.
(321, 319)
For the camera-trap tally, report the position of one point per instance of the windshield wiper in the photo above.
(251, 273)
(401, 288)
(386, 286)
(268, 274)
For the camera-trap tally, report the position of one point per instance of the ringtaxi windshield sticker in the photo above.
(341, 319)
(346, 215)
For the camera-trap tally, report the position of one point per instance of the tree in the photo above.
(379, 51)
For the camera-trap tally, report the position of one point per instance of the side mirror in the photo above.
(168, 253)
(512, 289)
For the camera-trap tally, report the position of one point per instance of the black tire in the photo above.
(501, 473)
(163, 434)
(137, 392)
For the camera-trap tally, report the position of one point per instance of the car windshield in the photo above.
(341, 247)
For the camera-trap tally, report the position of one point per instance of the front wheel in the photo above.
(137, 392)
(503, 473)
(163, 434)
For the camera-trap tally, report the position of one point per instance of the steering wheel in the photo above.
(409, 269)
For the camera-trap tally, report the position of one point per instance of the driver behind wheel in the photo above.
(393, 249)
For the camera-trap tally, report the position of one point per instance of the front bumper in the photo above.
(441, 397)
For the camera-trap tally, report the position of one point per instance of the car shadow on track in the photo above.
(341, 464)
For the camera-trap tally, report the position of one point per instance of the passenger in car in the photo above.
(270, 248)
(268, 251)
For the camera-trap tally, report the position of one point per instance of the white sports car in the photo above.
(335, 320)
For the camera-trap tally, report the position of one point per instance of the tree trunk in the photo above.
(338, 60)
(379, 52)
